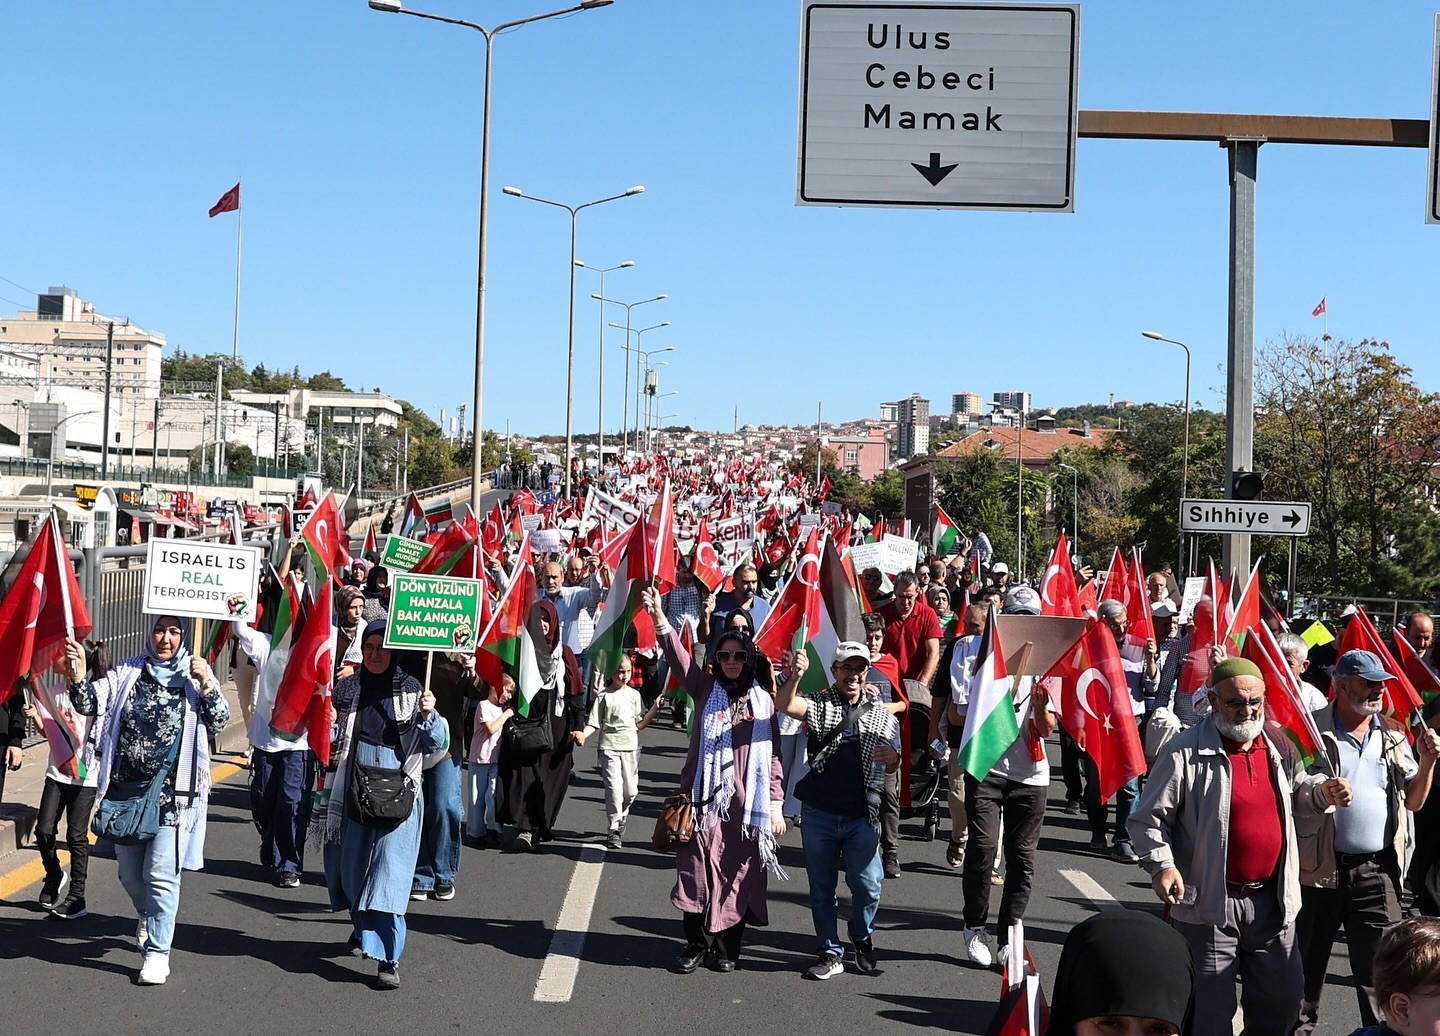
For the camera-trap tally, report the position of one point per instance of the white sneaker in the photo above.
(975, 948)
(155, 969)
(142, 934)
(1002, 957)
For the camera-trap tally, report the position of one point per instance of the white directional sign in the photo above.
(1260, 517)
(939, 105)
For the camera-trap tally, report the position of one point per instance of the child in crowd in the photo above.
(1407, 979)
(481, 825)
(70, 785)
(619, 714)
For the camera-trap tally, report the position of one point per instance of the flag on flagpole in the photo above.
(1284, 703)
(946, 534)
(500, 640)
(1319, 310)
(1058, 593)
(229, 202)
(990, 726)
(302, 699)
(1095, 708)
(43, 606)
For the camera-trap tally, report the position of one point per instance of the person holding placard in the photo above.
(385, 724)
(153, 706)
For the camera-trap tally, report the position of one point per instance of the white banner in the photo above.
(202, 580)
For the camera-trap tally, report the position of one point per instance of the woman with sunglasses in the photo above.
(732, 773)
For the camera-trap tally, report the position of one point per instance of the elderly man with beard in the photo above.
(1351, 861)
(1216, 831)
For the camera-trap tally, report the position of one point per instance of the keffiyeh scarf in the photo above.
(714, 785)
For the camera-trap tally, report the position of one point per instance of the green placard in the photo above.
(401, 553)
(433, 613)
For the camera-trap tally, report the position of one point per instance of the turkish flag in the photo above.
(324, 534)
(302, 701)
(43, 606)
(1058, 593)
(704, 562)
(229, 202)
(1318, 310)
(1095, 707)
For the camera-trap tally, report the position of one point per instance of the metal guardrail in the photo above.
(70, 471)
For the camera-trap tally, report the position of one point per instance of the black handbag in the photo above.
(531, 735)
(377, 797)
(129, 814)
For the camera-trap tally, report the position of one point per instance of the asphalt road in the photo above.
(249, 956)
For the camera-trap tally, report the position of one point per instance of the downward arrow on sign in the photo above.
(934, 172)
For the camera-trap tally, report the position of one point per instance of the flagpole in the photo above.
(235, 336)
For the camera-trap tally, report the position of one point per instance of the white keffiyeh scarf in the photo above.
(714, 784)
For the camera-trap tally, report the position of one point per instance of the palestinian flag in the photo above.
(370, 547)
(1247, 613)
(289, 615)
(1023, 1010)
(1424, 678)
(836, 618)
(500, 641)
(945, 537)
(447, 549)
(649, 547)
(674, 686)
(990, 727)
(413, 522)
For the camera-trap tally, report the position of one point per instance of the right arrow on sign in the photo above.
(1292, 519)
(934, 172)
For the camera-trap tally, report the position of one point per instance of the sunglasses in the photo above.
(729, 656)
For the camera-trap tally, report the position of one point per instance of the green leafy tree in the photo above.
(239, 459)
(432, 460)
(979, 490)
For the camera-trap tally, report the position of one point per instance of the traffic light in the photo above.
(1246, 485)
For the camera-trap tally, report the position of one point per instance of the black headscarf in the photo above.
(373, 590)
(1126, 963)
(737, 639)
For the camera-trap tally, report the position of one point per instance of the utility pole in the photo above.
(105, 421)
(819, 440)
(155, 441)
(219, 437)
(360, 458)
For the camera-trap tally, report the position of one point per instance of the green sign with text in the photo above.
(433, 613)
(401, 553)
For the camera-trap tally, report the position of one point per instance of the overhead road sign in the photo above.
(1257, 517)
(939, 105)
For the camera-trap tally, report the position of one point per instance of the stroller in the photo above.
(928, 781)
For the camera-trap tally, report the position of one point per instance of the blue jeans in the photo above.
(481, 816)
(832, 841)
(150, 874)
(439, 857)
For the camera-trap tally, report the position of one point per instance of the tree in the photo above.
(239, 459)
(1343, 425)
(886, 494)
(432, 460)
(325, 382)
(805, 464)
(979, 490)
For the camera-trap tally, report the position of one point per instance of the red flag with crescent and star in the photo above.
(325, 538)
(1096, 709)
(302, 702)
(1058, 593)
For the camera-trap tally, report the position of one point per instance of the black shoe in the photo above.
(72, 908)
(492, 839)
(388, 977)
(724, 965)
(50, 891)
(892, 865)
(443, 890)
(1099, 844)
(865, 962)
(1125, 853)
(287, 880)
(352, 945)
(690, 958)
(524, 841)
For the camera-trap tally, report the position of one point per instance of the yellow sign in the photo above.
(85, 494)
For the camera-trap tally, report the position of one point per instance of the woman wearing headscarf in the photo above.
(733, 775)
(349, 616)
(377, 594)
(153, 707)
(1123, 973)
(383, 719)
(535, 779)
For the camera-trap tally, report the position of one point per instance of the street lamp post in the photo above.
(1074, 504)
(640, 360)
(643, 366)
(600, 396)
(625, 397)
(1185, 456)
(574, 211)
(50, 460)
(488, 35)
(656, 421)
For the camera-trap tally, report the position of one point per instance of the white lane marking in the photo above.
(562, 963)
(1091, 889)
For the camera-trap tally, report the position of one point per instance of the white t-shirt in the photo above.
(1016, 764)
(1313, 696)
(962, 666)
(58, 714)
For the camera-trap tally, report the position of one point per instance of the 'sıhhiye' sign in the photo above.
(202, 580)
(401, 553)
(939, 105)
(433, 613)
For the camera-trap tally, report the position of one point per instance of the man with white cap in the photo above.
(854, 743)
(1351, 860)
(1000, 576)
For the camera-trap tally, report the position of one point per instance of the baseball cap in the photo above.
(1000, 568)
(1163, 609)
(849, 649)
(1022, 601)
(1364, 664)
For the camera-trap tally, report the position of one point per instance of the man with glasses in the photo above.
(854, 745)
(1216, 831)
(746, 595)
(1354, 856)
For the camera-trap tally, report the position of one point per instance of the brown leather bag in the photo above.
(676, 824)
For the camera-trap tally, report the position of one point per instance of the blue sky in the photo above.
(356, 134)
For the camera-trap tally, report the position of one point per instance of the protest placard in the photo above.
(545, 541)
(202, 580)
(1194, 590)
(531, 522)
(897, 554)
(401, 553)
(866, 555)
(433, 613)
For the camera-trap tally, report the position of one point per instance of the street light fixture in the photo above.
(625, 409)
(395, 7)
(639, 334)
(50, 460)
(600, 395)
(656, 421)
(642, 362)
(574, 211)
(1185, 456)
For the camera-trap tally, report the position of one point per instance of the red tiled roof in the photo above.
(1035, 447)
